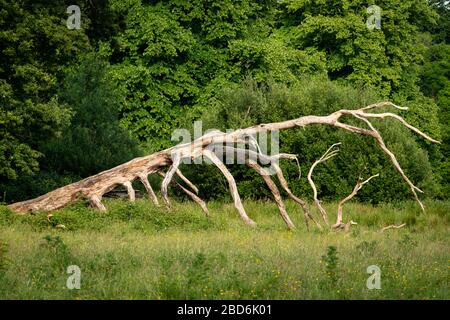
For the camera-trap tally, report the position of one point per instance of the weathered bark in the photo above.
(94, 187)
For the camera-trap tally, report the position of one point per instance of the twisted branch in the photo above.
(330, 153)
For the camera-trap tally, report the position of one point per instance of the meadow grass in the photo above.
(139, 251)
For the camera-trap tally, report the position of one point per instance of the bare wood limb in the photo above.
(149, 189)
(382, 105)
(275, 192)
(176, 158)
(192, 195)
(403, 122)
(232, 184)
(355, 190)
(291, 195)
(250, 155)
(393, 226)
(96, 202)
(195, 198)
(130, 190)
(331, 152)
(186, 180)
(394, 161)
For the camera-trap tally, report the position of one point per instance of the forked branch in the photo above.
(331, 152)
(339, 224)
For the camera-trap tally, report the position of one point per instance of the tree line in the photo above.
(78, 101)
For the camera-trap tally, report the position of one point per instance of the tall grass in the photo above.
(138, 251)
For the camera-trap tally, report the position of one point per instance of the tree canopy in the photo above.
(76, 101)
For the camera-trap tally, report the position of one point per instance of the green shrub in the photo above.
(94, 141)
(330, 259)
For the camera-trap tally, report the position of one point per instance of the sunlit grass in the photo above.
(138, 251)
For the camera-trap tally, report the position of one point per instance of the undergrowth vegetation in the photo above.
(139, 251)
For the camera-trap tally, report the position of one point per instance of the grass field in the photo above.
(137, 251)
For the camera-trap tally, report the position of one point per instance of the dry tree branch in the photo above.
(192, 195)
(339, 224)
(232, 183)
(331, 152)
(393, 226)
(144, 179)
(176, 159)
(402, 121)
(96, 202)
(186, 180)
(301, 202)
(130, 190)
(383, 104)
(250, 157)
(275, 192)
(394, 161)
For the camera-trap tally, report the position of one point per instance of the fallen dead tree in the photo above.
(166, 163)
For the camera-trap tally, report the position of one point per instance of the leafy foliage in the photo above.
(436, 84)
(70, 98)
(94, 141)
(35, 48)
(380, 57)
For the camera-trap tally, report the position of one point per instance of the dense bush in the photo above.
(436, 84)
